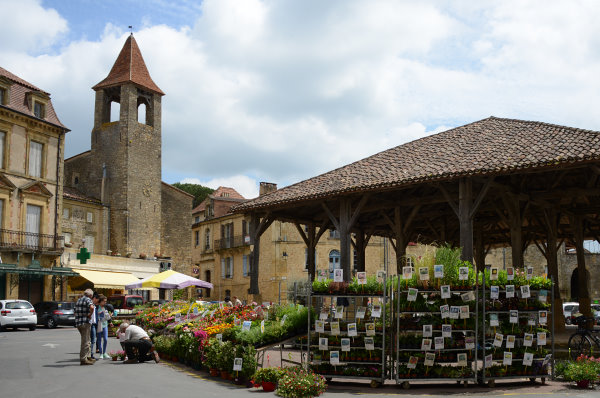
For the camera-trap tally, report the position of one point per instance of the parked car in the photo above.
(570, 320)
(17, 314)
(568, 309)
(124, 303)
(157, 302)
(54, 313)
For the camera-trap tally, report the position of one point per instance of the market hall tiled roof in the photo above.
(129, 67)
(489, 146)
(17, 101)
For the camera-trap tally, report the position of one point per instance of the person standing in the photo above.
(136, 337)
(103, 317)
(94, 323)
(84, 309)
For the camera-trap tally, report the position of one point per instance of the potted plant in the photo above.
(121, 355)
(113, 355)
(267, 378)
(211, 356)
(227, 355)
(584, 371)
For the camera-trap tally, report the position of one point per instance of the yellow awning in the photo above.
(104, 279)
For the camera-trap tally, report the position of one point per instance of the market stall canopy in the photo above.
(169, 280)
(103, 279)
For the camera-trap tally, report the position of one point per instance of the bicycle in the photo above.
(582, 341)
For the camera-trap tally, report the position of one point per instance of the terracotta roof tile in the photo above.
(18, 98)
(488, 146)
(129, 67)
(74, 194)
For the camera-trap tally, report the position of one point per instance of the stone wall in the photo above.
(176, 220)
(75, 221)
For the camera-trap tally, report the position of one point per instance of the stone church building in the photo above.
(121, 174)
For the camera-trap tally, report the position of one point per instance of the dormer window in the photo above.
(3, 96)
(39, 110)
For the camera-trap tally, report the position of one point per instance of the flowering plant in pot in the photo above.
(267, 377)
(297, 382)
(584, 371)
(114, 355)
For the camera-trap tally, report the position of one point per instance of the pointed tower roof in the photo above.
(129, 67)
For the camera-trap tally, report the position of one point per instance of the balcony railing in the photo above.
(19, 240)
(230, 242)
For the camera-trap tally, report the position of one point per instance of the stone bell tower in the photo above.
(125, 159)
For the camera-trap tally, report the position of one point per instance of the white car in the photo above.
(17, 314)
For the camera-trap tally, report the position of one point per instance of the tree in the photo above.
(200, 192)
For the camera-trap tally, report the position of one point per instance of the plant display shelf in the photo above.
(374, 371)
(447, 365)
(516, 371)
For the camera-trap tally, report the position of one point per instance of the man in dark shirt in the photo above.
(84, 308)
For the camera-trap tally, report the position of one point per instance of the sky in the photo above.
(284, 90)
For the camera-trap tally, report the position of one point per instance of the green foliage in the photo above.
(200, 192)
(178, 294)
(270, 375)
(321, 287)
(248, 355)
(227, 355)
(299, 383)
(584, 368)
(212, 354)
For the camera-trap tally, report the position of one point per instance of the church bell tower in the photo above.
(125, 170)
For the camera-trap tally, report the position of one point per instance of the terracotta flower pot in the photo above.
(583, 384)
(224, 375)
(214, 372)
(268, 386)
(114, 359)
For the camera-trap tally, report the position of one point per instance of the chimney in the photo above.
(267, 187)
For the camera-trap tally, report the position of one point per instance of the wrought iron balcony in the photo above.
(30, 242)
(230, 242)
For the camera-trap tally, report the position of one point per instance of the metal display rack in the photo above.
(528, 313)
(356, 362)
(409, 339)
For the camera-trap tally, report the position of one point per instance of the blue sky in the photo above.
(282, 90)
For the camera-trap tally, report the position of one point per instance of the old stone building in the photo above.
(221, 251)
(144, 217)
(31, 157)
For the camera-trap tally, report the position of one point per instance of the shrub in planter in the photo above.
(226, 357)
(212, 354)
(582, 369)
(269, 375)
(298, 382)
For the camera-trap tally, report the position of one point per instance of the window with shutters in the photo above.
(334, 234)
(227, 235)
(89, 243)
(227, 268)
(196, 238)
(207, 239)
(32, 225)
(245, 267)
(2, 148)
(36, 150)
(66, 213)
(90, 217)
(68, 237)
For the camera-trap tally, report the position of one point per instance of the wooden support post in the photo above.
(465, 218)
(584, 294)
(311, 244)
(344, 230)
(257, 227)
(551, 217)
(515, 221)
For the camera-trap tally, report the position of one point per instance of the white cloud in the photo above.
(246, 186)
(27, 26)
(280, 91)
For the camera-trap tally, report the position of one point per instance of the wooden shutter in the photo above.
(223, 272)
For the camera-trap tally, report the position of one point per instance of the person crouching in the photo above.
(137, 344)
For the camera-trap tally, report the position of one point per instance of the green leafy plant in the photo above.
(297, 382)
(583, 368)
(212, 353)
(227, 355)
(269, 375)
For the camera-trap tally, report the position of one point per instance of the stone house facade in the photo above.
(31, 173)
